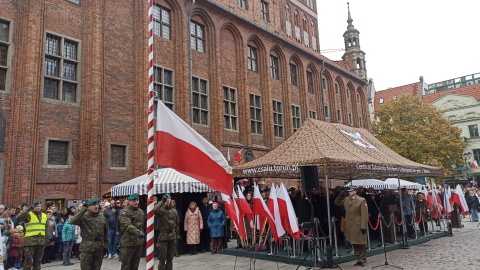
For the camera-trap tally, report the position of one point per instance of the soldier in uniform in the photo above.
(94, 233)
(168, 232)
(356, 214)
(36, 235)
(131, 222)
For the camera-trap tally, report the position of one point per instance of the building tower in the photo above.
(354, 57)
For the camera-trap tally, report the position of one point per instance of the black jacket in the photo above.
(112, 218)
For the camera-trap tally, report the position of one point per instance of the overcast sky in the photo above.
(406, 39)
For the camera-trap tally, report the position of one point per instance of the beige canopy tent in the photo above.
(339, 151)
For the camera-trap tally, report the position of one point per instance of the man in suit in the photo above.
(356, 214)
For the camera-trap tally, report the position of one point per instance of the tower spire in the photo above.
(354, 57)
(349, 20)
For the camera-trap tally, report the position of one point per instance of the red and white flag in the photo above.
(273, 207)
(447, 201)
(437, 202)
(238, 156)
(287, 214)
(180, 147)
(241, 224)
(230, 208)
(244, 208)
(459, 198)
(474, 164)
(261, 209)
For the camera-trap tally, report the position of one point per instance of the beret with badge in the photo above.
(93, 201)
(133, 197)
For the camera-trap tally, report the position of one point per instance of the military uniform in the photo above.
(36, 236)
(94, 233)
(167, 234)
(356, 214)
(131, 222)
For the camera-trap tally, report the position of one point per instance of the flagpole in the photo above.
(151, 146)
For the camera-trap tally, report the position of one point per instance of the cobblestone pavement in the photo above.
(443, 253)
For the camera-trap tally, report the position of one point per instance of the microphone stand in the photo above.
(381, 234)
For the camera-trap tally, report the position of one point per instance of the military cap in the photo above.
(23, 204)
(165, 196)
(351, 188)
(133, 197)
(35, 203)
(93, 201)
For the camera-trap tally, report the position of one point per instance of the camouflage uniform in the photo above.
(167, 234)
(34, 245)
(131, 223)
(94, 232)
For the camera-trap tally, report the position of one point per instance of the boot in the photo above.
(194, 250)
(191, 249)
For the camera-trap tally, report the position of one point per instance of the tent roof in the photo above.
(332, 147)
(166, 180)
(403, 183)
(373, 183)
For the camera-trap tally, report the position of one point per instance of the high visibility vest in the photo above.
(35, 227)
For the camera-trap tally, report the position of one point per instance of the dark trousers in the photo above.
(47, 253)
(33, 257)
(409, 225)
(217, 244)
(360, 252)
(423, 225)
(67, 251)
(205, 239)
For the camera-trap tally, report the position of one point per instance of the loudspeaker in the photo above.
(310, 177)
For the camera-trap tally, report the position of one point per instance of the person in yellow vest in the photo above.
(36, 236)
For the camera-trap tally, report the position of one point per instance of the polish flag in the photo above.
(448, 201)
(261, 209)
(180, 147)
(238, 156)
(241, 224)
(287, 214)
(474, 164)
(437, 202)
(459, 199)
(230, 208)
(273, 207)
(244, 207)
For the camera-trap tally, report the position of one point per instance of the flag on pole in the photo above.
(230, 209)
(287, 214)
(447, 197)
(459, 198)
(180, 147)
(474, 164)
(238, 156)
(261, 209)
(273, 207)
(241, 224)
(244, 207)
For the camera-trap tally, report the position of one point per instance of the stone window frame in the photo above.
(274, 67)
(243, 4)
(313, 114)
(252, 58)
(198, 94)
(110, 155)
(296, 117)
(339, 115)
(293, 74)
(278, 125)
(264, 9)
(230, 120)
(62, 59)
(473, 131)
(160, 23)
(197, 36)
(326, 111)
(8, 57)
(310, 87)
(160, 84)
(337, 89)
(350, 119)
(69, 154)
(256, 118)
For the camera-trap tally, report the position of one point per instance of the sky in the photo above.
(404, 40)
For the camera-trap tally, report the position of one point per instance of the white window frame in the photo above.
(230, 108)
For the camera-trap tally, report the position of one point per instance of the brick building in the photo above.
(73, 84)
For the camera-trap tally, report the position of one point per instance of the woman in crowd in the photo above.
(216, 223)
(52, 237)
(193, 225)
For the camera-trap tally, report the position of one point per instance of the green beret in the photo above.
(35, 203)
(133, 197)
(93, 201)
(23, 204)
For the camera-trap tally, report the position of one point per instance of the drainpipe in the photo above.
(190, 59)
(420, 92)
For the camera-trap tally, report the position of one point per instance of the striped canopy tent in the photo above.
(371, 183)
(166, 180)
(403, 183)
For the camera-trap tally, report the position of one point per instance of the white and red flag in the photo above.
(474, 164)
(241, 224)
(180, 147)
(459, 198)
(230, 208)
(238, 156)
(261, 209)
(244, 207)
(273, 207)
(447, 201)
(437, 202)
(287, 214)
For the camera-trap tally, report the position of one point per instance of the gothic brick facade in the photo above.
(95, 99)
